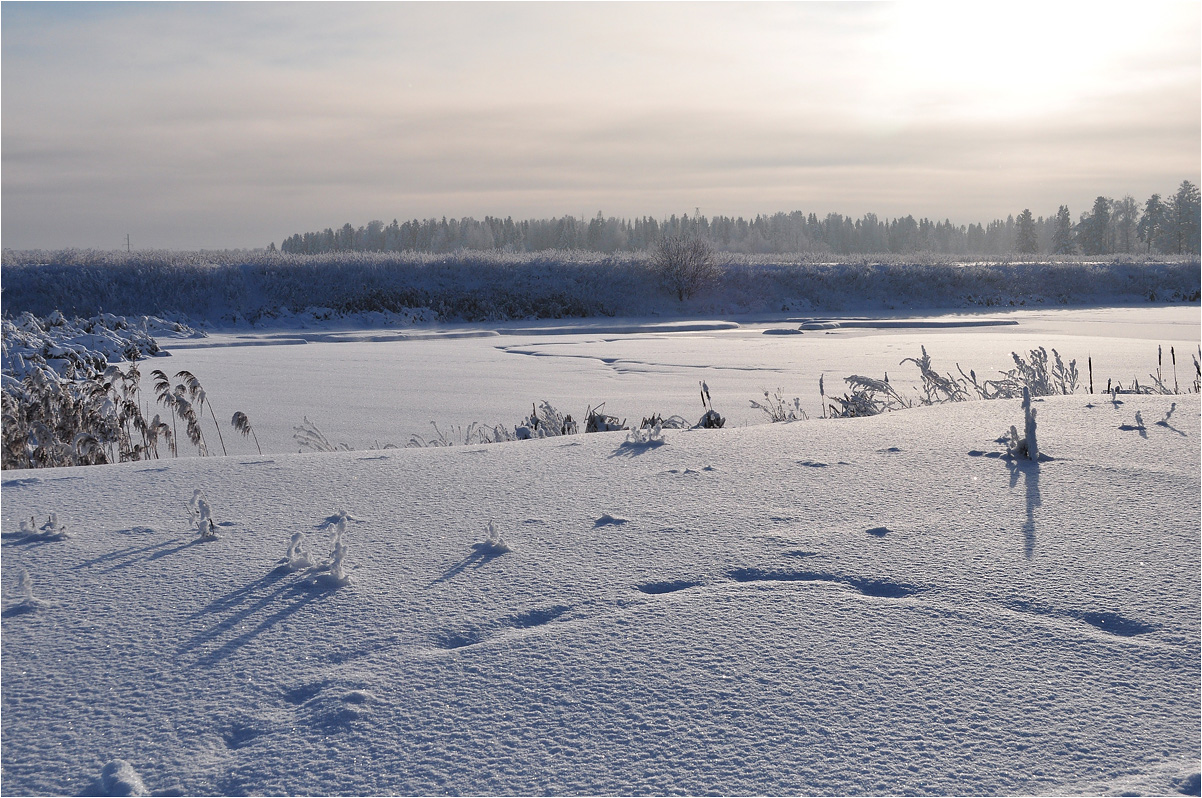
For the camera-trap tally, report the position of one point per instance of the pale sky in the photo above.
(190, 125)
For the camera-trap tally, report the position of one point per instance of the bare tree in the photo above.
(686, 264)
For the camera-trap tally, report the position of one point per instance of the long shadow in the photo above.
(1030, 474)
(1164, 423)
(162, 552)
(477, 559)
(18, 539)
(240, 595)
(297, 595)
(294, 596)
(635, 448)
(129, 551)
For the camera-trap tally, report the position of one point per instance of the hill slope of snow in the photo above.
(879, 605)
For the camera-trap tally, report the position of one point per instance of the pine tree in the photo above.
(1184, 218)
(1062, 238)
(1026, 242)
(1152, 223)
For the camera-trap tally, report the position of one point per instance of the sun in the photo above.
(1013, 61)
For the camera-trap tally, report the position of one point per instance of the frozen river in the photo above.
(366, 387)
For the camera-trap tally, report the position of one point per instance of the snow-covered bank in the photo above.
(257, 287)
(859, 606)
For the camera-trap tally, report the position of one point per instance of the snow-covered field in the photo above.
(881, 605)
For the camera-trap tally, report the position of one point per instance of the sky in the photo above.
(228, 125)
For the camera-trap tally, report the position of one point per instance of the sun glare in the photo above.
(987, 61)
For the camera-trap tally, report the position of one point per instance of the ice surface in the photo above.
(707, 616)
(369, 394)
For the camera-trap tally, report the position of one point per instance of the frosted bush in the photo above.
(548, 283)
(51, 530)
(597, 420)
(710, 419)
(336, 573)
(937, 388)
(545, 421)
(297, 557)
(1027, 446)
(474, 434)
(646, 436)
(778, 410)
(308, 436)
(1164, 422)
(28, 602)
(1036, 374)
(493, 544)
(868, 397)
(200, 515)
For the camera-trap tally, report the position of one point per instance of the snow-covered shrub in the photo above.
(200, 516)
(544, 421)
(1026, 447)
(671, 422)
(336, 573)
(936, 387)
(493, 544)
(778, 410)
(27, 601)
(685, 264)
(597, 420)
(475, 434)
(868, 397)
(51, 530)
(308, 436)
(54, 421)
(1138, 426)
(710, 419)
(297, 557)
(64, 404)
(1037, 375)
(1164, 422)
(645, 437)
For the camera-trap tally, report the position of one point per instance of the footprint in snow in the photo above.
(659, 588)
(450, 639)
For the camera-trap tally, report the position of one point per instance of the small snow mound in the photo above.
(494, 545)
(120, 778)
(359, 697)
(28, 602)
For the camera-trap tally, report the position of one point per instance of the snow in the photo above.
(1022, 628)
(885, 605)
(365, 393)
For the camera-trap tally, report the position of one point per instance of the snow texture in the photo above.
(1018, 630)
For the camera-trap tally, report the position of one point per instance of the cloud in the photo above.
(237, 124)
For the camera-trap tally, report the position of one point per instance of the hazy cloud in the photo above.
(237, 124)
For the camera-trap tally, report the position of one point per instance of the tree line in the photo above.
(1160, 225)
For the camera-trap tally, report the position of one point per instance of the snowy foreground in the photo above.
(879, 605)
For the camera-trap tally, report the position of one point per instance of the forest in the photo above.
(1164, 225)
